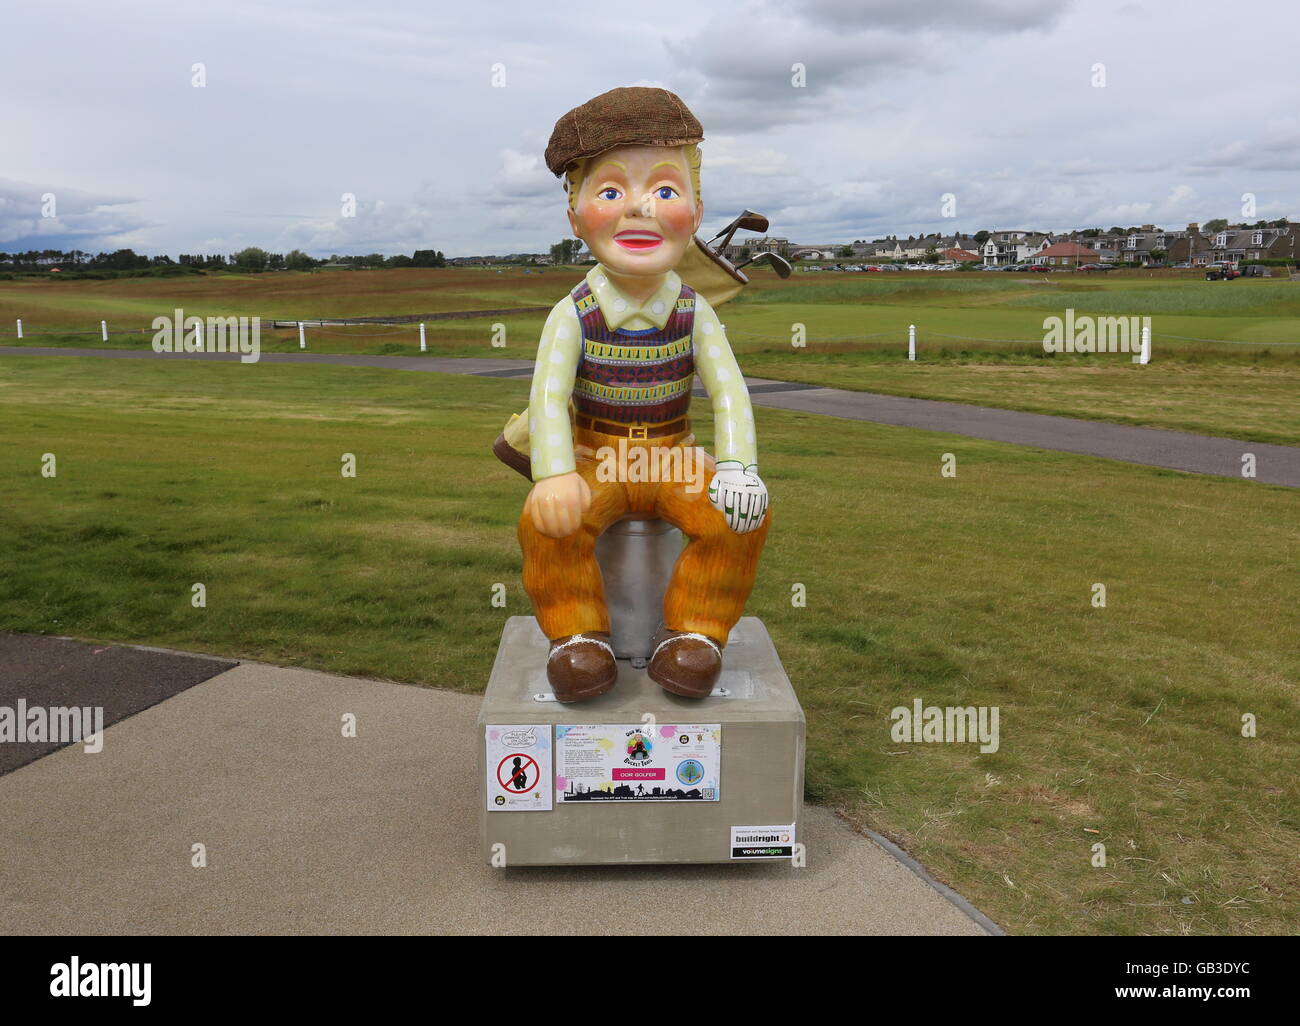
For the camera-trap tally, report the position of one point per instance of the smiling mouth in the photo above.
(638, 240)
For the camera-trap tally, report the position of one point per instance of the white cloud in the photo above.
(394, 101)
(81, 219)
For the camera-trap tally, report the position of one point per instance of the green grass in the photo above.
(979, 335)
(1255, 400)
(135, 302)
(1118, 724)
(462, 337)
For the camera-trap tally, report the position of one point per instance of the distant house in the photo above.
(1067, 254)
(959, 256)
(1138, 247)
(814, 253)
(1013, 246)
(1108, 248)
(966, 243)
(885, 249)
(1189, 247)
(751, 247)
(1238, 244)
(916, 247)
(1286, 246)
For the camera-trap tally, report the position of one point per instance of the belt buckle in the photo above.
(638, 431)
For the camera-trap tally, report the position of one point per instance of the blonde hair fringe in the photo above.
(576, 175)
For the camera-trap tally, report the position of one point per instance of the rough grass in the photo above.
(855, 326)
(1119, 725)
(135, 302)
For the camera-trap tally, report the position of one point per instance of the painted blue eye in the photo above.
(609, 194)
(666, 192)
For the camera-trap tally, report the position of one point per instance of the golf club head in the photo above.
(779, 263)
(748, 220)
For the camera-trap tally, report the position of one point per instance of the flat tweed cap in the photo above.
(627, 116)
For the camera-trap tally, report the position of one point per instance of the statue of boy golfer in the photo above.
(623, 348)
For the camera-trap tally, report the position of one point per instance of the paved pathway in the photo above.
(306, 831)
(1153, 447)
(56, 673)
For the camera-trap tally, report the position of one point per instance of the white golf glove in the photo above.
(739, 494)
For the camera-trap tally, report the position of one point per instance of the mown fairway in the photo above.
(1119, 725)
(977, 332)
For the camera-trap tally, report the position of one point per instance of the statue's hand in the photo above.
(556, 504)
(739, 494)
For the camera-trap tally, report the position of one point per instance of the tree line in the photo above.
(251, 258)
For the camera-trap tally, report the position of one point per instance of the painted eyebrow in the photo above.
(622, 167)
(668, 163)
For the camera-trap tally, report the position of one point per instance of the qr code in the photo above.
(708, 794)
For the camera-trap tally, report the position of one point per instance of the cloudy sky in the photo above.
(434, 115)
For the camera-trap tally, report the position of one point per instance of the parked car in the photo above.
(1097, 267)
(1039, 267)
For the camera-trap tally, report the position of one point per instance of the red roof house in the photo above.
(1066, 254)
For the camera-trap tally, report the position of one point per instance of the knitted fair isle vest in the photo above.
(634, 377)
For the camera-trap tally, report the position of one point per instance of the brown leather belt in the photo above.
(608, 427)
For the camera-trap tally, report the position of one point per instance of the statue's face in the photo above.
(636, 210)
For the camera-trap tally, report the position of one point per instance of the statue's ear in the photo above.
(573, 224)
(699, 215)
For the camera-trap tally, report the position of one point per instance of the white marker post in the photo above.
(103, 330)
(1145, 355)
(423, 348)
(20, 327)
(911, 341)
(302, 338)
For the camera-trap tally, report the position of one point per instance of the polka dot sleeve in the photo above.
(733, 417)
(550, 437)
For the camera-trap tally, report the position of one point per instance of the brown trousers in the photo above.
(711, 580)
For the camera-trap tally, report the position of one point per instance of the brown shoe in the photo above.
(685, 663)
(581, 666)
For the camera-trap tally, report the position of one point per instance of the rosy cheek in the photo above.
(596, 219)
(677, 218)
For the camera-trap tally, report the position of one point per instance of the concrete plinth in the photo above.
(760, 760)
